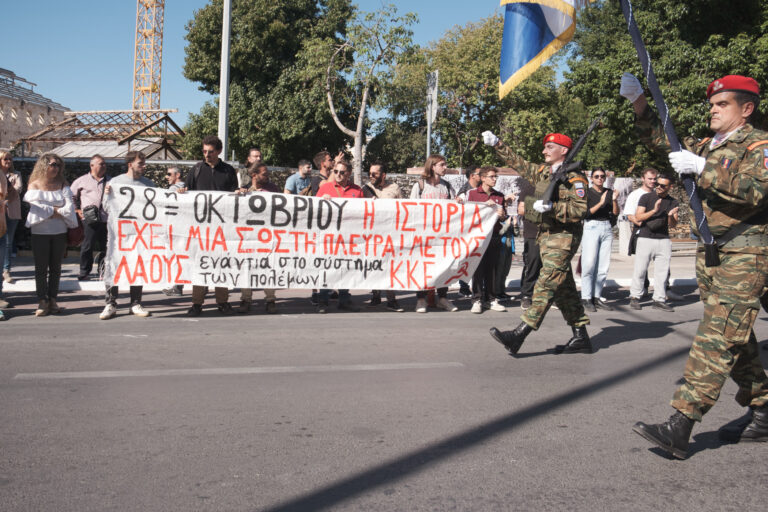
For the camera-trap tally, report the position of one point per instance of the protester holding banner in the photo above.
(483, 281)
(560, 231)
(381, 188)
(259, 183)
(731, 175)
(175, 183)
(51, 213)
(136, 163)
(338, 186)
(433, 186)
(211, 174)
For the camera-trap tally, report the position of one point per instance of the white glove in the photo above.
(542, 207)
(685, 162)
(489, 139)
(630, 87)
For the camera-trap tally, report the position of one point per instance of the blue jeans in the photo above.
(8, 239)
(595, 257)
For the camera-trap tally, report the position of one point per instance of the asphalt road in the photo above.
(369, 411)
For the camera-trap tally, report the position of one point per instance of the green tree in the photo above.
(359, 68)
(690, 43)
(468, 60)
(276, 75)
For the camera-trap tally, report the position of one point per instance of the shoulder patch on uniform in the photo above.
(581, 192)
(704, 141)
(725, 163)
(765, 158)
(755, 144)
(579, 179)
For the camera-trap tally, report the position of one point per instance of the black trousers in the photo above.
(531, 267)
(95, 234)
(47, 252)
(111, 295)
(502, 268)
(484, 278)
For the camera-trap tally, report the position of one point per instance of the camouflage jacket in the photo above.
(734, 183)
(569, 202)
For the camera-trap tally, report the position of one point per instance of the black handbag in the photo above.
(91, 213)
(632, 246)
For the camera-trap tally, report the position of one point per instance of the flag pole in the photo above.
(674, 142)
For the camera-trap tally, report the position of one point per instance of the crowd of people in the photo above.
(55, 207)
(562, 212)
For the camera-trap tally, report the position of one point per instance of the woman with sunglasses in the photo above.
(51, 213)
(596, 241)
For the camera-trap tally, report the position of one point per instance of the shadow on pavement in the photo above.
(419, 460)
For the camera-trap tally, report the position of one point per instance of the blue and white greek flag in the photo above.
(533, 31)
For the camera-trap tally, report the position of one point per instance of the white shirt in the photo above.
(40, 218)
(630, 207)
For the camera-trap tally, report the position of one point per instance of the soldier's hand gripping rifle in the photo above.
(568, 165)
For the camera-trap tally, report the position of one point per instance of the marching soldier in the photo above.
(731, 173)
(560, 230)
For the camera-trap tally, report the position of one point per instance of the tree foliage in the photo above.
(276, 75)
(468, 61)
(359, 68)
(690, 43)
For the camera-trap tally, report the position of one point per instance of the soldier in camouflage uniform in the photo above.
(560, 230)
(731, 172)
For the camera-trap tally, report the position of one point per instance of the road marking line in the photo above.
(235, 371)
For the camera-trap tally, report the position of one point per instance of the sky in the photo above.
(80, 52)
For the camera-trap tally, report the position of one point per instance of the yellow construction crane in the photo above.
(148, 60)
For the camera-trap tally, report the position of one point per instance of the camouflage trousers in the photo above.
(555, 282)
(725, 344)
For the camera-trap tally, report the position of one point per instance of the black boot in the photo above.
(731, 431)
(512, 340)
(672, 436)
(757, 430)
(579, 343)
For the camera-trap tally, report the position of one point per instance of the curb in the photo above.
(73, 285)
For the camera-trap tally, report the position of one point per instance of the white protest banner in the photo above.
(263, 240)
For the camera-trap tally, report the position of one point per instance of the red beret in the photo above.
(733, 83)
(559, 138)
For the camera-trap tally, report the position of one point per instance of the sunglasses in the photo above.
(340, 172)
(598, 176)
(54, 164)
(661, 185)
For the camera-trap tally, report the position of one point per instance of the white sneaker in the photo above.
(444, 303)
(421, 305)
(138, 310)
(109, 312)
(497, 306)
(477, 307)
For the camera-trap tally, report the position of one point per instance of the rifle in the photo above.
(568, 164)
